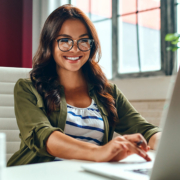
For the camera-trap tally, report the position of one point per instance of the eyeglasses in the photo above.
(66, 44)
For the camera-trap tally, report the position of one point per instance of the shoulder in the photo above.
(113, 86)
(115, 90)
(25, 85)
(118, 95)
(25, 88)
(23, 82)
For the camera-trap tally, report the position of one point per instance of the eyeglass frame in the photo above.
(77, 40)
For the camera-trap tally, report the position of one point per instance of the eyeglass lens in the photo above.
(83, 44)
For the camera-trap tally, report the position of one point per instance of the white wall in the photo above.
(151, 88)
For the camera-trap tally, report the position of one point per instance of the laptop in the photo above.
(166, 163)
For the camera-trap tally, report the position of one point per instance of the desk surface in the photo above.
(66, 170)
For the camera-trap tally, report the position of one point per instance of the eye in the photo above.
(64, 40)
(84, 40)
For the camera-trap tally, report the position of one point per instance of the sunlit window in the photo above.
(139, 36)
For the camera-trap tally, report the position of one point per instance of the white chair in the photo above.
(8, 124)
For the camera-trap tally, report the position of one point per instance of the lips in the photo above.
(72, 58)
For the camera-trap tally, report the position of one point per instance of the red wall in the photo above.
(16, 33)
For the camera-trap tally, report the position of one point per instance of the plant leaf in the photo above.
(171, 37)
(174, 48)
(175, 42)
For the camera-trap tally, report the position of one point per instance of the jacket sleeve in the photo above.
(32, 121)
(129, 120)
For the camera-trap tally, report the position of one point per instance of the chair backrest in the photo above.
(8, 124)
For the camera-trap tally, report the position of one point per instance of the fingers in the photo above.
(134, 149)
(134, 144)
(138, 140)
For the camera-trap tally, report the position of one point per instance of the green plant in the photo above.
(174, 39)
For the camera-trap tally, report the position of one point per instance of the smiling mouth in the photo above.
(72, 58)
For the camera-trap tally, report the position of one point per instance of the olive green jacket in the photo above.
(35, 126)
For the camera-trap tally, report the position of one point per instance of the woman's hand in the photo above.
(121, 147)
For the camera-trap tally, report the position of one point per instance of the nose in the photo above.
(75, 47)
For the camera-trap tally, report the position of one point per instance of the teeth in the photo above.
(72, 58)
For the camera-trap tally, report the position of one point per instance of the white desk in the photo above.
(64, 170)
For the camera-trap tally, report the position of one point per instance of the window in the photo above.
(141, 28)
(139, 36)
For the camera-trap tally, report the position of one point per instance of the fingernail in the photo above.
(148, 158)
(147, 148)
(143, 153)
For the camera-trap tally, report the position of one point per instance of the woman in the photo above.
(68, 109)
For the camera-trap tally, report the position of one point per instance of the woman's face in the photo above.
(74, 59)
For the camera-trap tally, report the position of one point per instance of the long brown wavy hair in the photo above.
(44, 75)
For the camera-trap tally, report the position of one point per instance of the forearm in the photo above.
(63, 146)
(153, 140)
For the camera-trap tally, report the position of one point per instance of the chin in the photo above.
(73, 69)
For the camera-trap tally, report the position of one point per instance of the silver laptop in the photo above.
(166, 164)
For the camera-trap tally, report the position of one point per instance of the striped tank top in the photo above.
(85, 124)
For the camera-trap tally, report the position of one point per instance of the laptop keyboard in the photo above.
(142, 171)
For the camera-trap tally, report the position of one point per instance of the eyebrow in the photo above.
(71, 37)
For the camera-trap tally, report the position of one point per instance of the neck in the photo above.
(70, 79)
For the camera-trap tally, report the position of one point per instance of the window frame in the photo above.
(168, 14)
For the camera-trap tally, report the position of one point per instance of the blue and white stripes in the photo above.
(85, 124)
